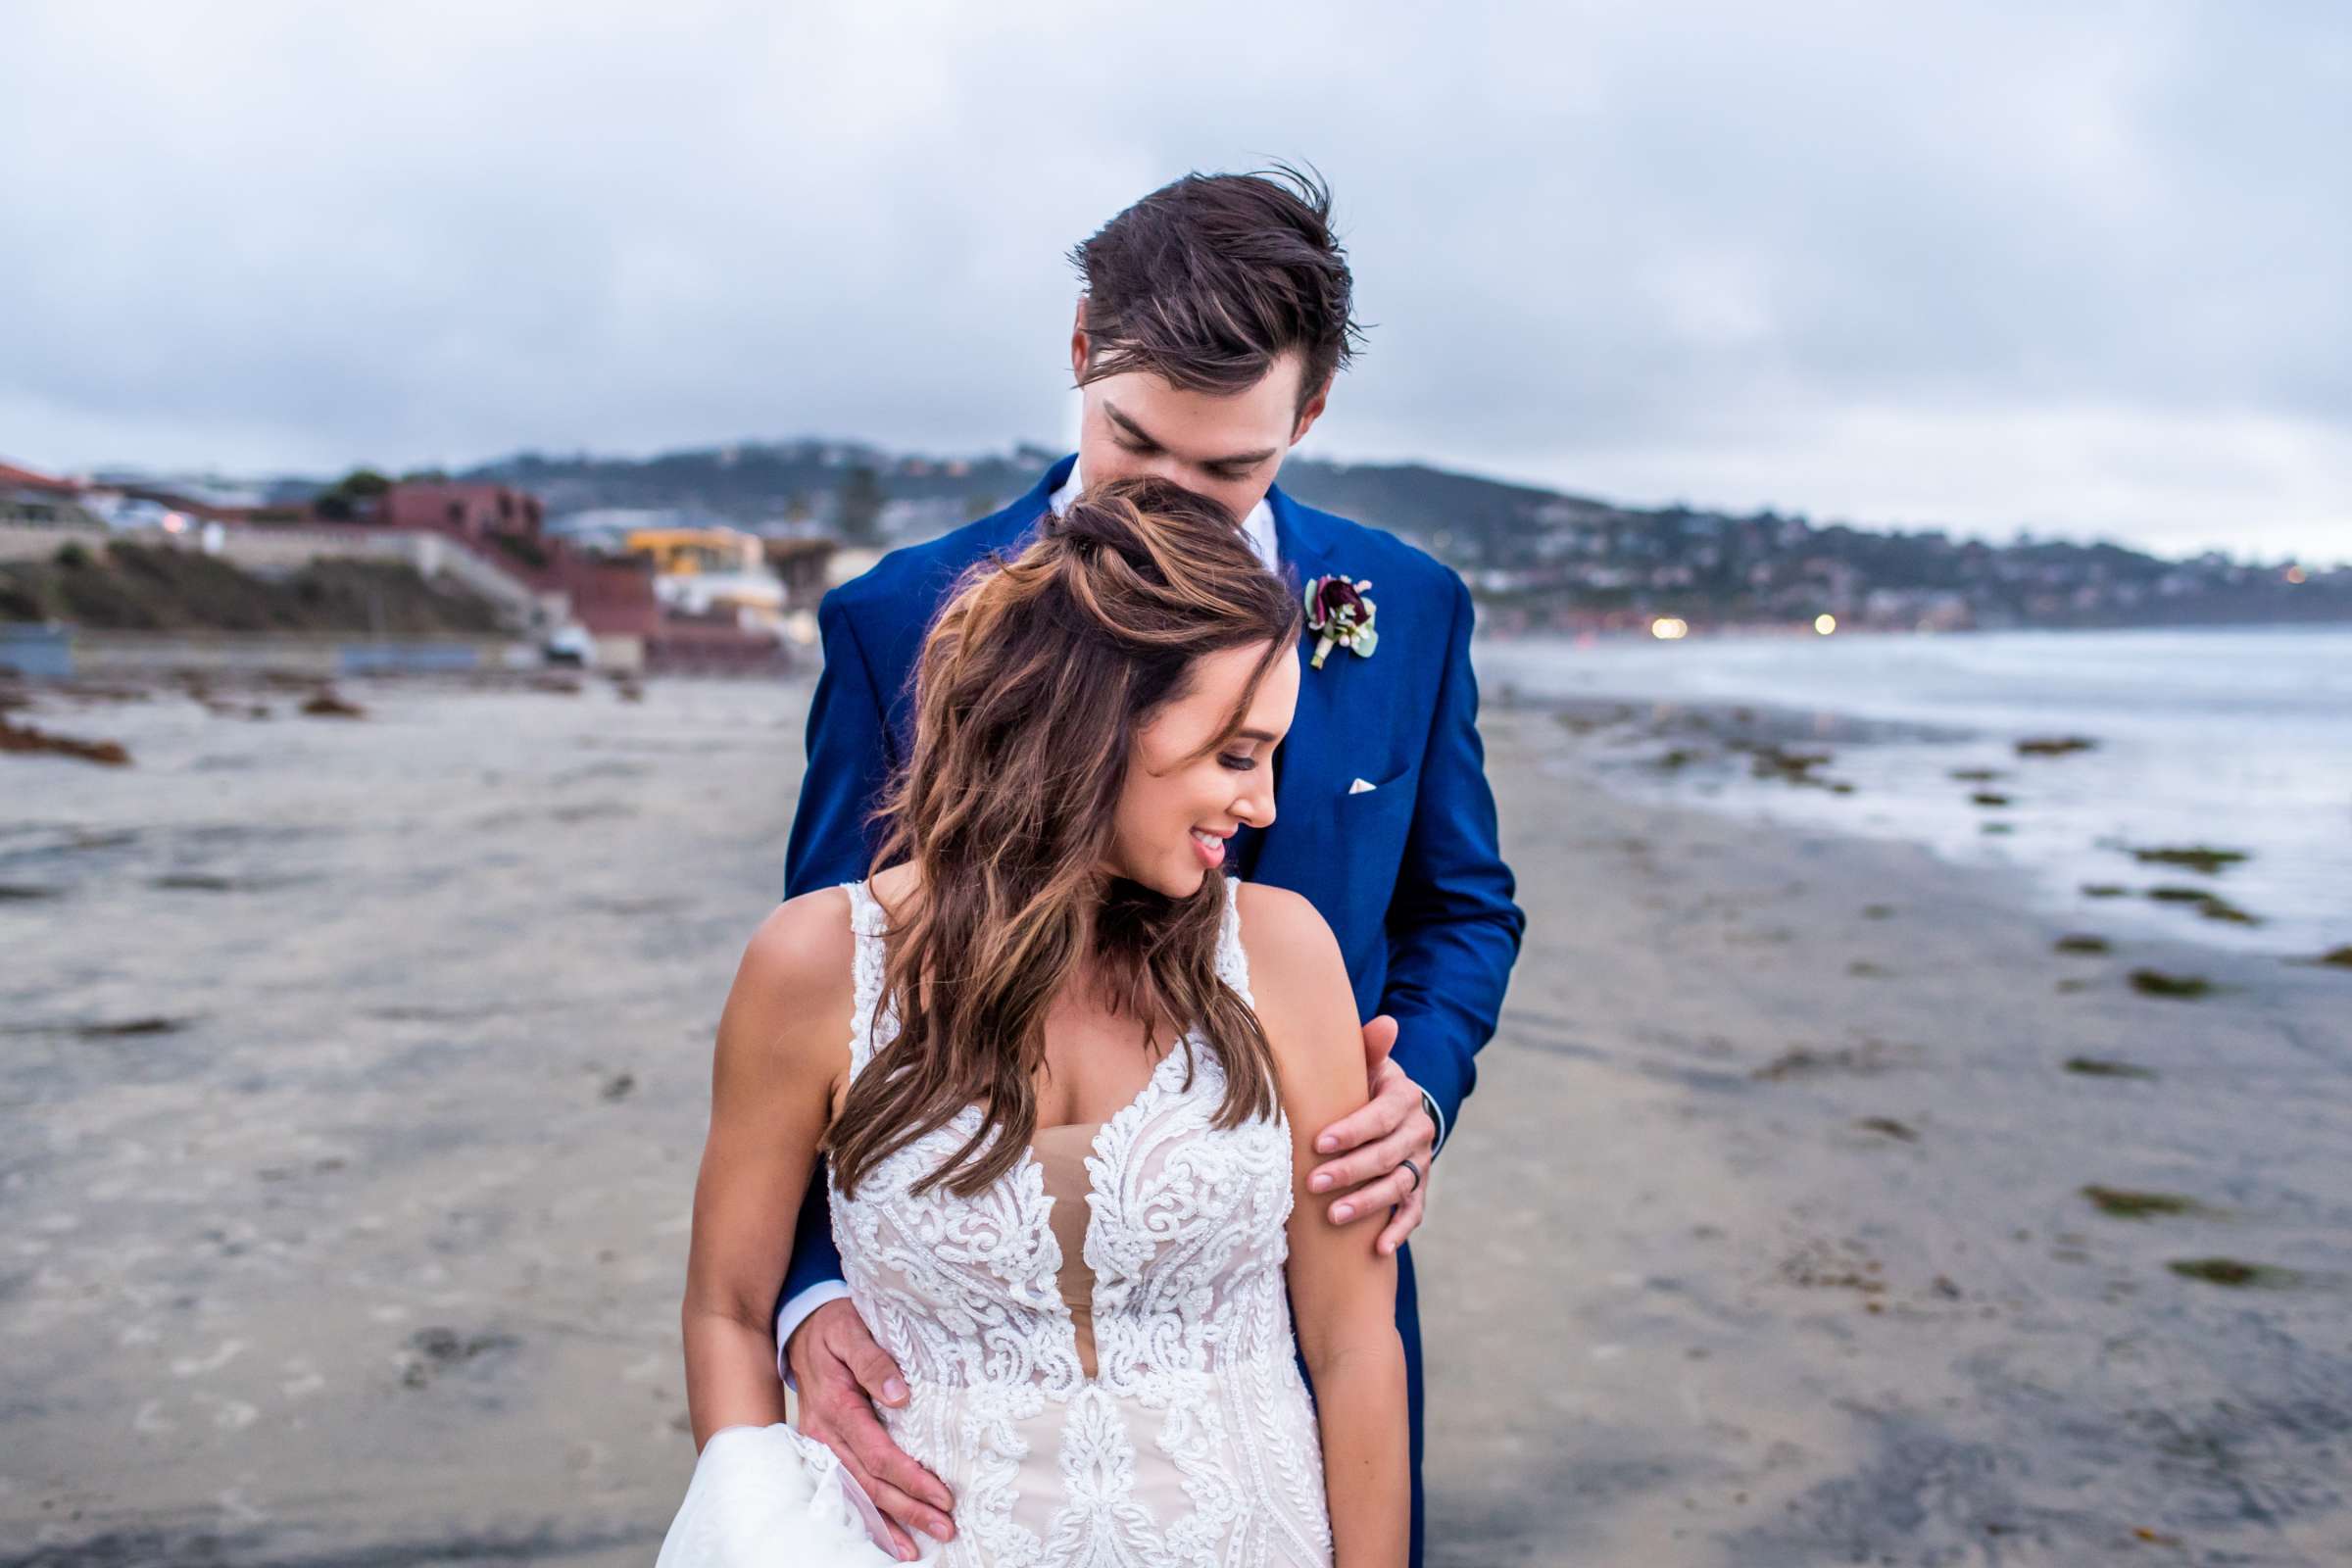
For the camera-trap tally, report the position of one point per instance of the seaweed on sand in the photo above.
(2124, 1202)
(1794, 768)
(2232, 1272)
(2210, 904)
(127, 1028)
(26, 738)
(2156, 983)
(2101, 1067)
(2194, 856)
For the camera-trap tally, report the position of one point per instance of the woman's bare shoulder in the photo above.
(1275, 919)
(1306, 1005)
(801, 937)
(793, 989)
(1295, 967)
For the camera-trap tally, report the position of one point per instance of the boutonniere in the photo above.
(1338, 611)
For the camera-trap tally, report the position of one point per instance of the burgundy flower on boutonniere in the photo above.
(1338, 611)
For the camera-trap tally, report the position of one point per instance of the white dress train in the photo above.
(768, 1497)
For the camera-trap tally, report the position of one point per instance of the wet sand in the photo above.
(355, 1072)
(1766, 1242)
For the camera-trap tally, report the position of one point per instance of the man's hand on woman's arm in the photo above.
(1370, 1176)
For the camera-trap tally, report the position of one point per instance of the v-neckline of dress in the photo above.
(1100, 1163)
(1030, 1174)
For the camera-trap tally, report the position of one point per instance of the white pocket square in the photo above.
(1360, 786)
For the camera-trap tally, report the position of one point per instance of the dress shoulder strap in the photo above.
(867, 921)
(1233, 962)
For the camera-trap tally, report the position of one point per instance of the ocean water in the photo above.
(2229, 738)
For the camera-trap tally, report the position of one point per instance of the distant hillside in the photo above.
(769, 483)
(1469, 520)
(1539, 558)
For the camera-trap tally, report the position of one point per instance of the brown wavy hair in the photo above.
(1029, 691)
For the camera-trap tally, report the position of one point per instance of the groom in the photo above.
(1216, 316)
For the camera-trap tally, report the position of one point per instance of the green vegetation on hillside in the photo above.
(129, 587)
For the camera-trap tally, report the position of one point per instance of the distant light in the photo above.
(1666, 628)
(2294, 574)
(173, 522)
(1824, 623)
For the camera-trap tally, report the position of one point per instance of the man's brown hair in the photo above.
(1207, 280)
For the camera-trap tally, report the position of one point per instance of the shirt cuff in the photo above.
(795, 1312)
(1429, 1103)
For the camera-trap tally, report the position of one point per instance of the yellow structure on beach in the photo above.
(694, 551)
(712, 570)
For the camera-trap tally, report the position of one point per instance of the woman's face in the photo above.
(1178, 808)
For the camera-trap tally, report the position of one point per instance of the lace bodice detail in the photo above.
(1194, 1442)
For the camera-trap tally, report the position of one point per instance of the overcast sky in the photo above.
(2085, 269)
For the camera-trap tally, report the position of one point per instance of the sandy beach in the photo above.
(1814, 1206)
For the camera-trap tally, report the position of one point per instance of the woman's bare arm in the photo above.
(1342, 1291)
(782, 1049)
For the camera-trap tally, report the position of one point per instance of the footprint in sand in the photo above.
(302, 1378)
(230, 1415)
(189, 1366)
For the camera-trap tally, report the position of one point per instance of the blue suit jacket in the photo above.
(1408, 873)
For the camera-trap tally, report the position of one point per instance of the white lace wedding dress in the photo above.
(1179, 1432)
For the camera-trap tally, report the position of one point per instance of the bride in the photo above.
(1062, 1065)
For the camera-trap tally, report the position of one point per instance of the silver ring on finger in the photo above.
(1417, 1170)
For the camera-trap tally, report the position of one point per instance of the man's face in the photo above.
(1226, 446)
